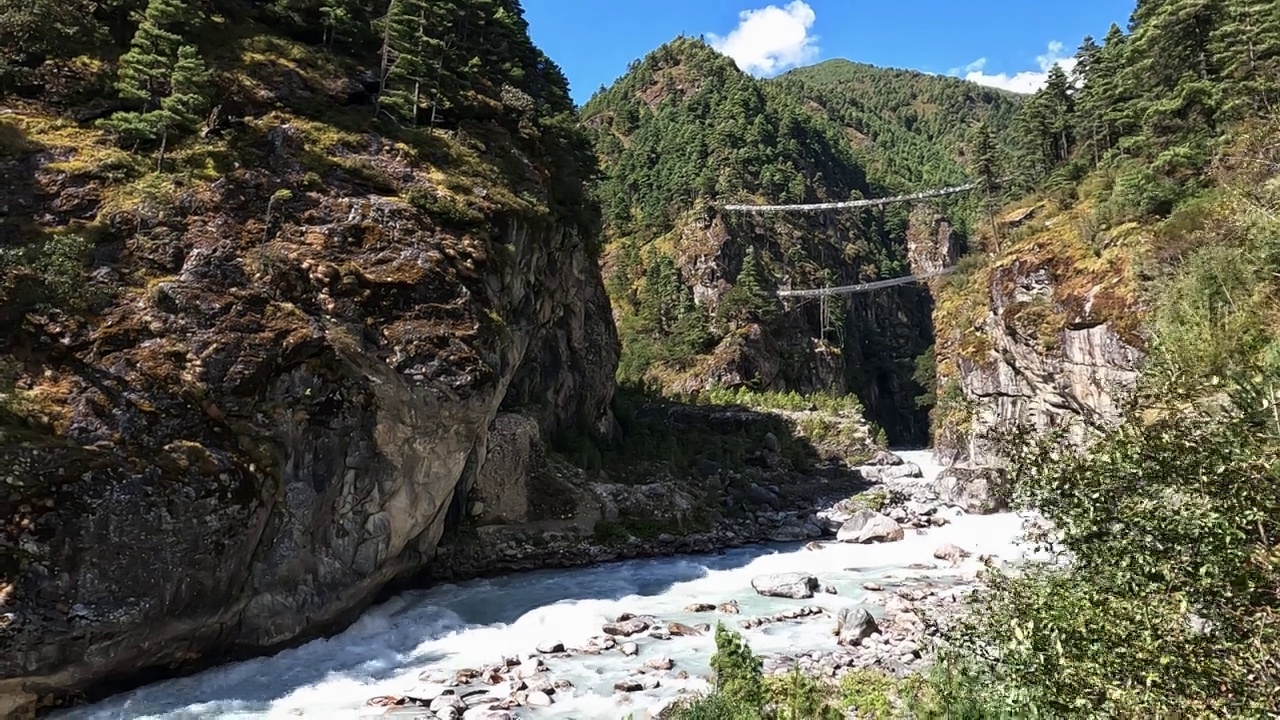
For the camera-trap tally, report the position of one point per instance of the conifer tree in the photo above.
(1246, 49)
(746, 301)
(986, 169)
(164, 75)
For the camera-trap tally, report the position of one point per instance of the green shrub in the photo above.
(1170, 517)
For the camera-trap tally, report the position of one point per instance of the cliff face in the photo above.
(277, 387)
(1044, 333)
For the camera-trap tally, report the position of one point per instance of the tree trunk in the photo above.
(164, 144)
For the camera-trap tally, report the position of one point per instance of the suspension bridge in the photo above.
(854, 204)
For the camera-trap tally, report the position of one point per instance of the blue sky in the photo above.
(1003, 43)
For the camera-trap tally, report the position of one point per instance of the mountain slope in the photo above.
(686, 130)
(908, 129)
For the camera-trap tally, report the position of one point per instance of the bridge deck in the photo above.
(862, 287)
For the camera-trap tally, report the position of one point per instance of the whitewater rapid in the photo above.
(448, 627)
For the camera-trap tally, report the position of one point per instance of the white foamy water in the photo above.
(470, 624)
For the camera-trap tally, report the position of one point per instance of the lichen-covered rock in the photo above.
(258, 428)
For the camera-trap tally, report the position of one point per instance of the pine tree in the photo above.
(747, 301)
(1172, 70)
(1246, 51)
(986, 169)
(165, 76)
(417, 59)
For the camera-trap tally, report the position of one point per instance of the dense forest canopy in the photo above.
(909, 130)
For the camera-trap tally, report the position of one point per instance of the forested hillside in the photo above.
(909, 130)
(1139, 244)
(684, 131)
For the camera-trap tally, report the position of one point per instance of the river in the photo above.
(448, 627)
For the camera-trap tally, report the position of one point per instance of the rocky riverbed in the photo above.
(629, 637)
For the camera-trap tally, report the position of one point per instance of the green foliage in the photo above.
(846, 405)
(45, 272)
(1166, 517)
(748, 301)
(738, 671)
(915, 125)
(926, 376)
(162, 75)
(1161, 96)
(742, 692)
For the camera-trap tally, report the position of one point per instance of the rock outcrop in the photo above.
(1053, 342)
(259, 425)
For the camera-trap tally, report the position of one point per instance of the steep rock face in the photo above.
(1054, 343)
(261, 424)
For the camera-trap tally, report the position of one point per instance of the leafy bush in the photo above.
(1169, 608)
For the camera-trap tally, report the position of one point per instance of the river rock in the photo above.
(630, 649)
(551, 647)
(537, 698)
(487, 713)
(729, 608)
(424, 694)
(884, 458)
(682, 630)
(529, 668)
(974, 489)
(813, 546)
(951, 553)
(626, 628)
(700, 607)
(439, 705)
(797, 586)
(660, 663)
(854, 625)
(628, 685)
(789, 533)
(866, 526)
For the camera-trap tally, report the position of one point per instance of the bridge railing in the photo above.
(862, 287)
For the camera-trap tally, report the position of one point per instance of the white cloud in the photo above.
(770, 39)
(1026, 81)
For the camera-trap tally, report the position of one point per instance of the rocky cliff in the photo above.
(1041, 329)
(245, 391)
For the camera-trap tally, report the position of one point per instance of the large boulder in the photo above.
(975, 489)
(868, 526)
(797, 586)
(853, 625)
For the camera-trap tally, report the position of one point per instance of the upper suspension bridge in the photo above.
(853, 204)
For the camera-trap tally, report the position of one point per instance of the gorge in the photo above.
(333, 335)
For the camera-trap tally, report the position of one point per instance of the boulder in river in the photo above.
(682, 630)
(867, 526)
(797, 586)
(951, 553)
(700, 607)
(550, 647)
(537, 698)
(729, 608)
(853, 625)
(974, 489)
(626, 628)
(884, 458)
(630, 649)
